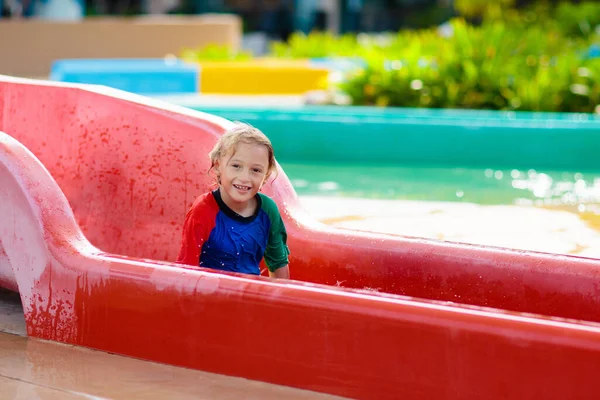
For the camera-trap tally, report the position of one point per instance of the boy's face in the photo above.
(242, 173)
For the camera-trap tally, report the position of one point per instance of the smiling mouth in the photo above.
(240, 187)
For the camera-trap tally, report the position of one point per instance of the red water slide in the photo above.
(94, 186)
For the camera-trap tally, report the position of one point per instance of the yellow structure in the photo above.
(261, 76)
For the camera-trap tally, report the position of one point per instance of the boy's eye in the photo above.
(257, 170)
(235, 165)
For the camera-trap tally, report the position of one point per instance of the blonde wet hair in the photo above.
(241, 133)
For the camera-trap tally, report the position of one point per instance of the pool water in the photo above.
(470, 185)
(547, 211)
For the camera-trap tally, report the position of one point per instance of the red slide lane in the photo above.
(124, 170)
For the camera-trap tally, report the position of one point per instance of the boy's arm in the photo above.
(281, 273)
(277, 251)
(191, 241)
(199, 221)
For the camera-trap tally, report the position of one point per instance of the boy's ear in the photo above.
(264, 181)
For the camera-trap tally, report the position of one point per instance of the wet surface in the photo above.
(550, 211)
(33, 369)
(556, 230)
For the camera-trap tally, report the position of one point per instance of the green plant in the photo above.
(215, 53)
(578, 19)
(482, 9)
(532, 59)
(495, 66)
(316, 45)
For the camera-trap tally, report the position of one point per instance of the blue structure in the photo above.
(141, 76)
(58, 10)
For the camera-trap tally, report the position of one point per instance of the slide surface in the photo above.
(95, 184)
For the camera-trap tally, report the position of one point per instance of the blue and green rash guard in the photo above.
(215, 236)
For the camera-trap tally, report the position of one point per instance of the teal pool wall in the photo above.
(456, 138)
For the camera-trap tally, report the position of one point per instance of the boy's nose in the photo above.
(245, 175)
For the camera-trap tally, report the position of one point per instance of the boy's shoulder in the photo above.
(203, 204)
(268, 204)
(208, 196)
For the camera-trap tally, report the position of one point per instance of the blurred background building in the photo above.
(275, 18)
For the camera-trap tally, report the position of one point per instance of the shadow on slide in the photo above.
(94, 187)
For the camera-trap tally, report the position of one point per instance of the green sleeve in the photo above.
(277, 251)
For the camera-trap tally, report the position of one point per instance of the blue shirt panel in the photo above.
(236, 246)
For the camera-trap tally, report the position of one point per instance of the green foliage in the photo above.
(530, 60)
(315, 45)
(495, 66)
(215, 53)
(578, 19)
(573, 20)
(482, 8)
